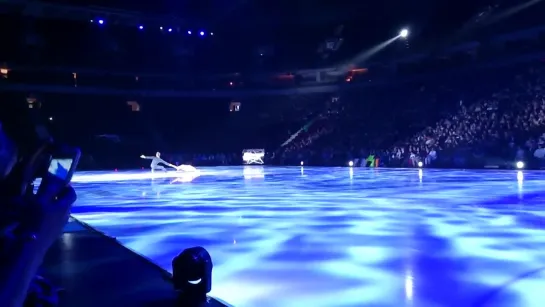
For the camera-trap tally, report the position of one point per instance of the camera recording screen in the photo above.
(60, 167)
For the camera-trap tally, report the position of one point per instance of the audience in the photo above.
(507, 122)
(30, 223)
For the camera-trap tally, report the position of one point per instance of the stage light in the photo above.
(520, 164)
(189, 32)
(100, 21)
(169, 30)
(161, 28)
(404, 33)
(141, 27)
(202, 33)
(51, 118)
(211, 33)
(420, 164)
(192, 272)
(302, 163)
(350, 163)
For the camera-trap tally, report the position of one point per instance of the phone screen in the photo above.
(60, 168)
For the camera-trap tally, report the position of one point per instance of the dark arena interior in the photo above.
(272, 153)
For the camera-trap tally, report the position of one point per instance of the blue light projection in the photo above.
(324, 237)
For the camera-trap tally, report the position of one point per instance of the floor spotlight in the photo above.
(302, 163)
(520, 165)
(404, 33)
(420, 164)
(350, 163)
(192, 273)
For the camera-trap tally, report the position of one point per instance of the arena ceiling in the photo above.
(252, 18)
(286, 25)
(303, 13)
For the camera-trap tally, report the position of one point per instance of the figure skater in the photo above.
(186, 168)
(156, 161)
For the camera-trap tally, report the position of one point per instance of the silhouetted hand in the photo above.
(49, 211)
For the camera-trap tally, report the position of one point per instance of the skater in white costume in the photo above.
(186, 168)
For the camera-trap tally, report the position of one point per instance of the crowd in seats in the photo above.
(458, 121)
(322, 124)
(501, 125)
(493, 115)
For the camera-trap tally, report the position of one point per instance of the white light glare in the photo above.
(351, 163)
(302, 163)
(404, 33)
(420, 164)
(520, 164)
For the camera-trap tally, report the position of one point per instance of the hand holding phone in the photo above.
(64, 162)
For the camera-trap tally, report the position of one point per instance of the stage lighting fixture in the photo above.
(189, 32)
(100, 21)
(161, 28)
(192, 272)
(302, 163)
(350, 163)
(202, 33)
(404, 33)
(420, 164)
(141, 27)
(169, 30)
(520, 164)
(211, 33)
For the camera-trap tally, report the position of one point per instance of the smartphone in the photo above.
(64, 161)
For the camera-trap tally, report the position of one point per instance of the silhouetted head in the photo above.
(158, 154)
